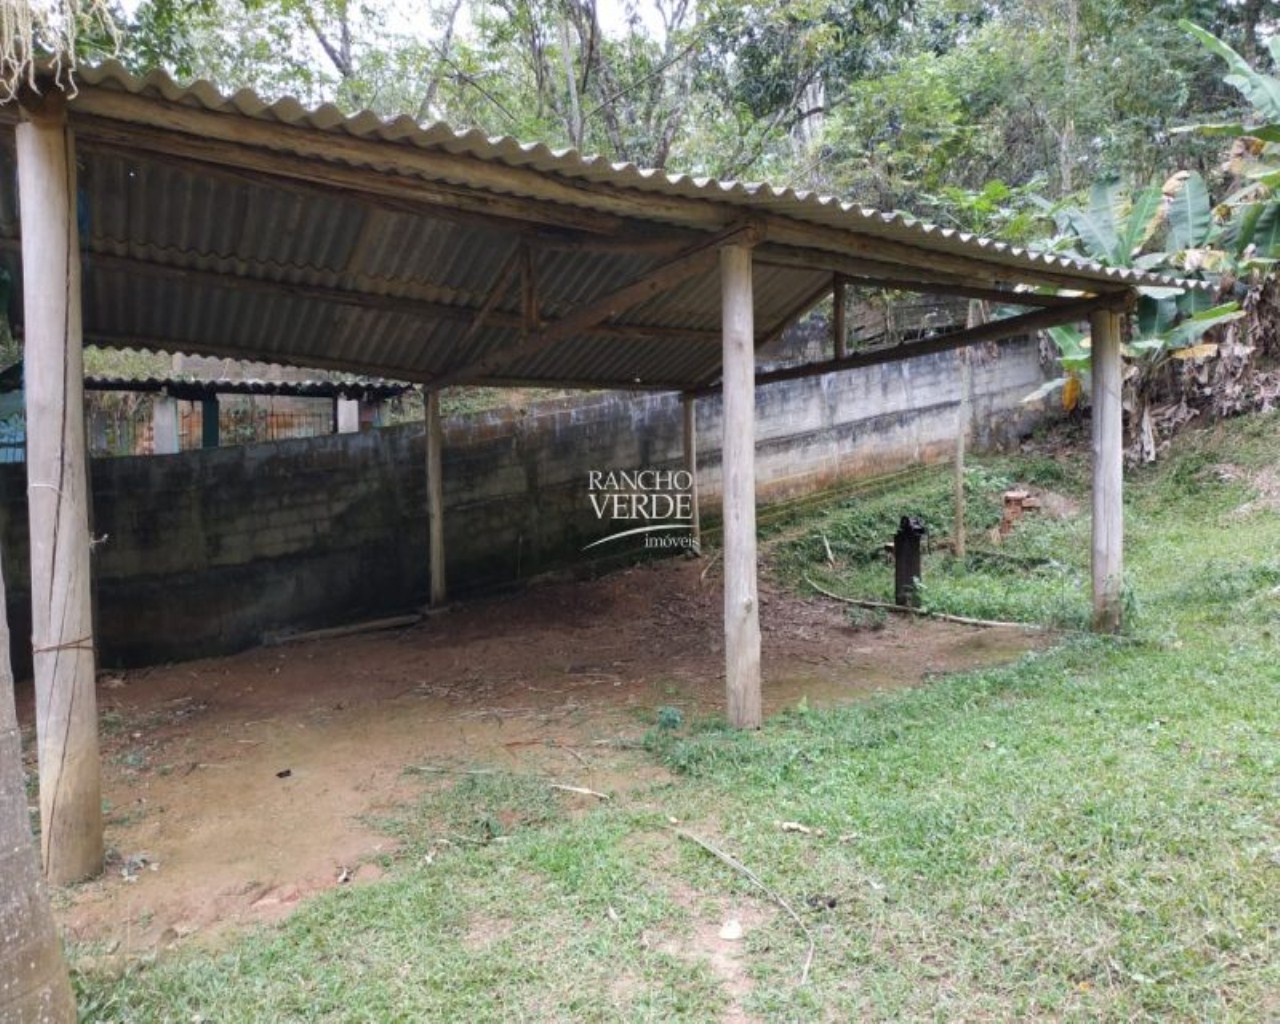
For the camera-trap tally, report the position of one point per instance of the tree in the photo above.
(31, 30)
(34, 985)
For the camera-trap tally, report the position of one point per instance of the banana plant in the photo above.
(1251, 214)
(1073, 357)
(1168, 229)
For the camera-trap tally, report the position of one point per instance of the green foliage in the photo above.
(919, 104)
(670, 718)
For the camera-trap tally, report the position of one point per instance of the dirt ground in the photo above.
(238, 786)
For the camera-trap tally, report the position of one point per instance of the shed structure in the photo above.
(149, 214)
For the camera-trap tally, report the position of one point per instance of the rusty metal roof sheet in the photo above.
(186, 255)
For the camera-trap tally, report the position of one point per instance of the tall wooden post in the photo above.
(347, 415)
(435, 497)
(165, 437)
(690, 409)
(962, 429)
(58, 498)
(839, 329)
(1108, 473)
(741, 603)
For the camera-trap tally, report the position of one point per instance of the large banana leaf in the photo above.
(1261, 90)
(1260, 226)
(1096, 226)
(1192, 329)
(1190, 215)
(1265, 132)
(1193, 303)
(1073, 347)
(1143, 220)
(1156, 315)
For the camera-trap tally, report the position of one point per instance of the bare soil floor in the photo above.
(247, 783)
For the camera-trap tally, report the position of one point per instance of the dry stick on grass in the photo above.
(754, 879)
(831, 558)
(904, 610)
(579, 789)
(431, 769)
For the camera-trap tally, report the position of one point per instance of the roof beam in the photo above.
(874, 273)
(799, 309)
(996, 330)
(404, 305)
(906, 260)
(500, 287)
(590, 317)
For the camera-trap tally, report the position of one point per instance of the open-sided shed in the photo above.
(148, 214)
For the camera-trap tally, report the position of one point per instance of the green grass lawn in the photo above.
(1092, 833)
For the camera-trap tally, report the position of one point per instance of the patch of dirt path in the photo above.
(249, 782)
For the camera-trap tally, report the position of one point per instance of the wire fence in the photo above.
(122, 423)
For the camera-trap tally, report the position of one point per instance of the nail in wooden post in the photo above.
(1108, 472)
(690, 409)
(435, 498)
(58, 499)
(741, 611)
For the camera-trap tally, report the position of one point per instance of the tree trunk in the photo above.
(34, 984)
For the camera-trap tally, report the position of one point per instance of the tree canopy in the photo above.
(900, 103)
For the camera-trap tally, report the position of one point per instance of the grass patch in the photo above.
(1089, 834)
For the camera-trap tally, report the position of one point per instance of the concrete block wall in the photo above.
(208, 552)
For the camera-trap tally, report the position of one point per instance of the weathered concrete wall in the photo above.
(209, 551)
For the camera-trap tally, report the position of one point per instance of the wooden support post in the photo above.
(976, 316)
(435, 498)
(1108, 472)
(164, 425)
(958, 537)
(741, 603)
(348, 415)
(838, 310)
(690, 408)
(58, 499)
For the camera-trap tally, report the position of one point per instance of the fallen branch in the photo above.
(582, 790)
(754, 879)
(902, 609)
(334, 632)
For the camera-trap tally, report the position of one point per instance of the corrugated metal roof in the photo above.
(364, 389)
(188, 255)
